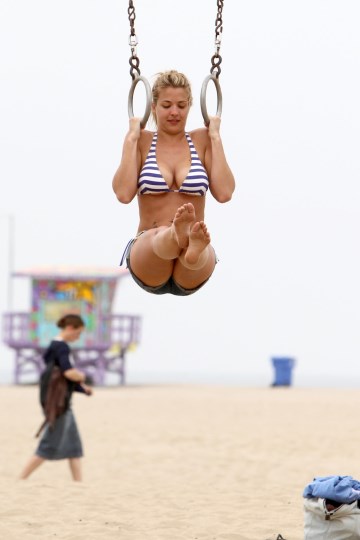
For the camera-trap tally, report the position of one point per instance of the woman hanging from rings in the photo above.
(170, 170)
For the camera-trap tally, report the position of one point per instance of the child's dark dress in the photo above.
(63, 441)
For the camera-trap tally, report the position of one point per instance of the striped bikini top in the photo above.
(151, 181)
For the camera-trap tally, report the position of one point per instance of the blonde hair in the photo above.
(173, 79)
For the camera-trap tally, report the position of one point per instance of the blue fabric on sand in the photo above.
(343, 489)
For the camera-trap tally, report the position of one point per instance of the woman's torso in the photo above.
(175, 163)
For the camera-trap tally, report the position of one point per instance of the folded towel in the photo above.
(343, 489)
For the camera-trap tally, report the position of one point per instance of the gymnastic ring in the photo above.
(148, 99)
(203, 98)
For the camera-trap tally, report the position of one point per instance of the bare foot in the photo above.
(198, 240)
(184, 217)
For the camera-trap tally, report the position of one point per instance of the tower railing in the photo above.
(123, 330)
(115, 335)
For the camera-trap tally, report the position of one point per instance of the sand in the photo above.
(177, 462)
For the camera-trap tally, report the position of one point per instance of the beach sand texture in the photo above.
(177, 462)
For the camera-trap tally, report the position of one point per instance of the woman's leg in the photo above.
(196, 254)
(195, 264)
(147, 266)
(152, 255)
(75, 467)
(170, 241)
(34, 462)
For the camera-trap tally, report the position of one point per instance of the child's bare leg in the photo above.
(75, 467)
(34, 462)
(197, 254)
(168, 243)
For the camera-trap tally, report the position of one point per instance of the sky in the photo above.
(287, 283)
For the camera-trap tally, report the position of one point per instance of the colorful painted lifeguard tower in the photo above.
(88, 292)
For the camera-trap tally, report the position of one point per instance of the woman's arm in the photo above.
(125, 180)
(222, 182)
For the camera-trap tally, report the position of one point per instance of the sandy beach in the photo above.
(177, 462)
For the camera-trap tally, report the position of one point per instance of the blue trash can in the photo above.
(283, 370)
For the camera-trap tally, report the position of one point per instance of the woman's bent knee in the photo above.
(190, 278)
(146, 265)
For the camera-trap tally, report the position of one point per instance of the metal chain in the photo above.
(133, 60)
(216, 58)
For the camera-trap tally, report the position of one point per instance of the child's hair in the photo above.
(70, 320)
(173, 79)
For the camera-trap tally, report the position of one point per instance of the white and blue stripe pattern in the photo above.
(151, 181)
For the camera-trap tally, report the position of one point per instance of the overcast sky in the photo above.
(288, 280)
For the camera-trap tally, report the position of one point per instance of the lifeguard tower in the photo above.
(88, 292)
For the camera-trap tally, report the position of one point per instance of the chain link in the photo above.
(134, 59)
(216, 58)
